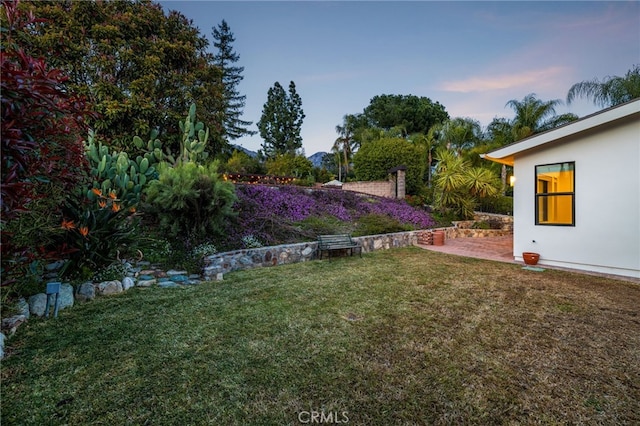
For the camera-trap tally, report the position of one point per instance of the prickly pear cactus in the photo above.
(119, 177)
(153, 149)
(194, 139)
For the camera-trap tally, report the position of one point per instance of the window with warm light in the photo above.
(555, 196)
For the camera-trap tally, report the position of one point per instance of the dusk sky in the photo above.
(471, 57)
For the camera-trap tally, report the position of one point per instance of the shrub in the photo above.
(374, 159)
(250, 241)
(483, 224)
(373, 224)
(41, 147)
(323, 225)
(458, 186)
(242, 163)
(190, 201)
(94, 232)
(499, 205)
(297, 166)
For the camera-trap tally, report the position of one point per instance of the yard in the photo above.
(405, 336)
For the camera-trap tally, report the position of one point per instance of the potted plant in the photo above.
(530, 258)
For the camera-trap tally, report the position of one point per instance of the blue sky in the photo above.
(471, 57)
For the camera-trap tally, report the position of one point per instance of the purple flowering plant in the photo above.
(275, 214)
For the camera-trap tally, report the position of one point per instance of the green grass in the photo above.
(403, 336)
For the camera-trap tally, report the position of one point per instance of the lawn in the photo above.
(404, 336)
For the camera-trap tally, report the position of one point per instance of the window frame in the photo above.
(545, 196)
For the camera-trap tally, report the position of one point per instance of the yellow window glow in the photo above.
(555, 196)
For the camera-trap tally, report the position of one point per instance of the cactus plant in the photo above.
(115, 173)
(153, 149)
(194, 139)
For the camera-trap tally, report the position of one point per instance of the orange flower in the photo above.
(97, 192)
(67, 224)
(113, 195)
(132, 210)
(84, 231)
(115, 207)
(102, 203)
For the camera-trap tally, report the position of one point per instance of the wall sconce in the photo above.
(512, 180)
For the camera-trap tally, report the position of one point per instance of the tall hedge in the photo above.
(374, 159)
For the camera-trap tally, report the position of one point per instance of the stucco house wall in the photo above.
(606, 233)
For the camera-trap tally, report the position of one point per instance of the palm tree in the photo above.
(610, 91)
(345, 141)
(458, 185)
(335, 149)
(535, 116)
(459, 134)
(430, 143)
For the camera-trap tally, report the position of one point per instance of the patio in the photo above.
(499, 249)
(490, 248)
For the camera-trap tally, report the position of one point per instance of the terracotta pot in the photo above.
(530, 258)
(438, 238)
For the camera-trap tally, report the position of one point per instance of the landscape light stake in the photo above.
(52, 288)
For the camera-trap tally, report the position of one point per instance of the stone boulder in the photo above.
(38, 302)
(109, 287)
(127, 283)
(65, 298)
(86, 291)
(23, 307)
(11, 324)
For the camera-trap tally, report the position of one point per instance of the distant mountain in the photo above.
(251, 154)
(316, 159)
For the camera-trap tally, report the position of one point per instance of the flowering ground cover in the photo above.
(286, 214)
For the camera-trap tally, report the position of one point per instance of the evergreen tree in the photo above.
(281, 121)
(138, 68)
(233, 102)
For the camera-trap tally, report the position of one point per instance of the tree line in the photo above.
(136, 71)
(442, 153)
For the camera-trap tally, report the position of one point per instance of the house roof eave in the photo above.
(504, 160)
(552, 136)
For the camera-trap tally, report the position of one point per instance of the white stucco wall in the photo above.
(606, 235)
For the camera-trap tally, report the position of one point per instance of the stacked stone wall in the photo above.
(222, 263)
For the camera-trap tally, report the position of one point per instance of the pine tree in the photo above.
(233, 102)
(281, 121)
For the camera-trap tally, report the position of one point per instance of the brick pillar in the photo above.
(392, 185)
(400, 184)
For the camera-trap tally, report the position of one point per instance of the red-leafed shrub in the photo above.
(42, 151)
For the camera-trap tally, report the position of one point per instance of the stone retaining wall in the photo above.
(505, 222)
(222, 263)
(479, 233)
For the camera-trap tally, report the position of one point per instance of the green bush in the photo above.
(481, 225)
(94, 232)
(458, 186)
(313, 226)
(191, 201)
(242, 163)
(498, 205)
(297, 166)
(373, 224)
(374, 159)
